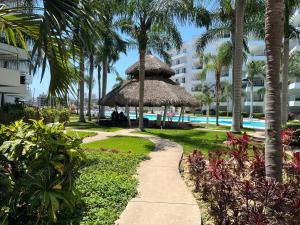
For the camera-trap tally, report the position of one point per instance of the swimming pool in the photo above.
(254, 123)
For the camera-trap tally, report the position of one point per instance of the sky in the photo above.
(41, 87)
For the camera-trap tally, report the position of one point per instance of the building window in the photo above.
(177, 71)
(183, 70)
(22, 79)
(184, 50)
(183, 80)
(177, 62)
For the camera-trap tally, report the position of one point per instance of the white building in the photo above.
(187, 66)
(14, 73)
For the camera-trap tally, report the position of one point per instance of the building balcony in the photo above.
(6, 49)
(294, 100)
(174, 67)
(180, 55)
(179, 75)
(255, 103)
(9, 77)
(255, 88)
(20, 90)
(294, 85)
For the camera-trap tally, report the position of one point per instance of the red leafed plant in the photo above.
(233, 183)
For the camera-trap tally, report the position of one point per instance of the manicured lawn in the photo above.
(107, 181)
(124, 144)
(193, 139)
(91, 126)
(80, 134)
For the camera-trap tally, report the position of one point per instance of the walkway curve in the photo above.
(163, 197)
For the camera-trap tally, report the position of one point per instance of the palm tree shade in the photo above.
(273, 36)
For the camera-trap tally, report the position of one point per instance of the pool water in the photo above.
(254, 123)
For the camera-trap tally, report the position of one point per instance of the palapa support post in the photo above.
(180, 115)
(136, 113)
(165, 115)
(128, 115)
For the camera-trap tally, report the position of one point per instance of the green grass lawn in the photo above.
(106, 182)
(124, 144)
(80, 134)
(193, 139)
(91, 126)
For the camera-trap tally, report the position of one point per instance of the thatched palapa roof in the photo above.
(153, 67)
(159, 89)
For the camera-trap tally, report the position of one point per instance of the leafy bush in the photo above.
(259, 115)
(245, 114)
(234, 184)
(11, 112)
(30, 113)
(64, 116)
(48, 115)
(38, 168)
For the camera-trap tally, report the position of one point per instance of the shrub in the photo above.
(30, 113)
(222, 113)
(11, 112)
(38, 168)
(245, 114)
(234, 184)
(64, 116)
(258, 115)
(48, 115)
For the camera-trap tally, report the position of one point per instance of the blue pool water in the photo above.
(254, 123)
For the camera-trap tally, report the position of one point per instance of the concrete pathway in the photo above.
(163, 197)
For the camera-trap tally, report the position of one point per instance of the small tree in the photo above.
(216, 63)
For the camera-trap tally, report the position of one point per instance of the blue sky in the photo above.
(39, 87)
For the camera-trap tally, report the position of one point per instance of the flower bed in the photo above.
(233, 184)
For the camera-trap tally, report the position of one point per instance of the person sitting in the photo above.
(122, 117)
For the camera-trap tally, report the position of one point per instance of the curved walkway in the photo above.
(163, 198)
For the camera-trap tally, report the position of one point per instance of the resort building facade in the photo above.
(15, 75)
(187, 66)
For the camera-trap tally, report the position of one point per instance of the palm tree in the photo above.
(226, 93)
(254, 68)
(289, 32)
(50, 43)
(157, 17)
(216, 63)
(206, 98)
(238, 65)
(274, 36)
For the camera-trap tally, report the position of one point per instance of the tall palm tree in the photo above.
(254, 68)
(156, 16)
(274, 36)
(216, 63)
(238, 65)
(289, 32)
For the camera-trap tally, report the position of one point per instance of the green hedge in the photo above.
(245, 114)
(258, 115)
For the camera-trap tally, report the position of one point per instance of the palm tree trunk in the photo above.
(285, 79)
(104, 85)
(180, 115)
(273, 38)
(207, 114)
(238, 65)
(142, 52)
(218, 86)
(81, 87)
(251, 100)
(99, 89)
(90, 87)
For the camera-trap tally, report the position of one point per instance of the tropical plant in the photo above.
(274, 35)
(39, 164)
(64, 116)
(48, 115)
(216, 63)
(152, 24)
(33, 22)
(254, 69)
(206, 99)
(90, 83)
(289, 32)
(226, 89)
